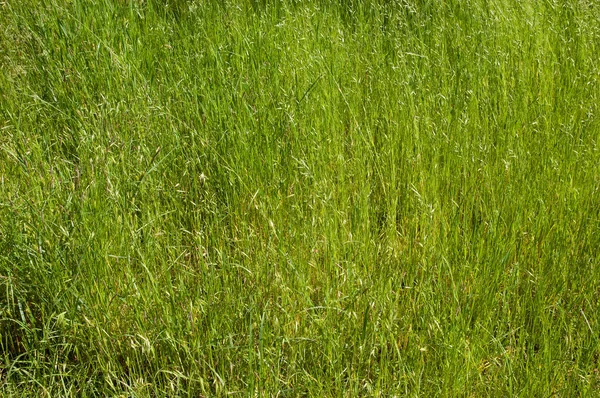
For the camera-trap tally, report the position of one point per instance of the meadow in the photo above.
(300, 198)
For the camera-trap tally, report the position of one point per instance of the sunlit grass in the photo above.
(299, 198)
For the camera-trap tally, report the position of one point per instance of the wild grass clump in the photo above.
(214, 198)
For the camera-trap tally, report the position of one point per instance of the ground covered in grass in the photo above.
(310, 198)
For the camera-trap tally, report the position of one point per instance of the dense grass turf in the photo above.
(300, 198)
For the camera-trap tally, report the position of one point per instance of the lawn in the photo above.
(300, 198)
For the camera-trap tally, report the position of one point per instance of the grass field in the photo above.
(300, 198)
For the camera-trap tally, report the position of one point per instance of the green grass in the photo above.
(216, 198)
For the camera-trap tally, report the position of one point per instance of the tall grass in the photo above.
(212, 198)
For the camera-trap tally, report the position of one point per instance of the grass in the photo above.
(214, 198)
